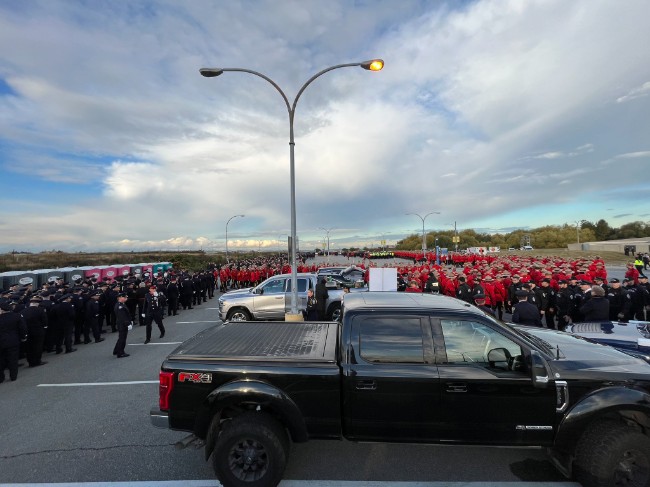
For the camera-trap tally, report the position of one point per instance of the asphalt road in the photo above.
(84, 417)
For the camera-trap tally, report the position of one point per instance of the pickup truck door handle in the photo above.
(456, 387)
(366, 385)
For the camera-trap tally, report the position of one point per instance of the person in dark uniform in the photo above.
(65, 315)
(479, 301)
(616, 298)
(35, 317)
(464, 292)
(524, 312)
(153, 311)
(311, 313)
(547, 302)
(321, 298)
(512, 290)
(141, 293)
(12, 331)
(564, 304)
(91, 322)
(172, 297)
(111, 300)
(123, 323)
(187, 291)
(596, 308)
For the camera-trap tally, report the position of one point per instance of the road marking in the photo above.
(184, 322)
(302, 483)
(153, 343)
(84, 384)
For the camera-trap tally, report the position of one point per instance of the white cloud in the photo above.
(480, 109)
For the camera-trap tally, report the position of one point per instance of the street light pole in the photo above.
(234, 216)
(371, 65)
(578, 223)
(424, 239)
(327, 233)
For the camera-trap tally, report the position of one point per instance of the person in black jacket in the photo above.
(153, 311)
(65, 315)
(596, 308)
(12, 331)
(172, 297)
(35, 317)
(432, 286)
(616, 298)
(311, 312)
(525, 312)
(564, 304)
(91, 322)
(123, 323)
(464, 292)
(321, 298)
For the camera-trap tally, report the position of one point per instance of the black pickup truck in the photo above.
(404, 367)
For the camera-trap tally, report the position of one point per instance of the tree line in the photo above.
(547, 237)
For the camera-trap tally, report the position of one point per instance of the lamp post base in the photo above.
(293, 317)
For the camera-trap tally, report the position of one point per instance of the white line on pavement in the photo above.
(302, 483)
(153, 343)
(84, 384)
(203, 321)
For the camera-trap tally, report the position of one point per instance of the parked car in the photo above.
(632, 338)
(527, 247)
(405, 367)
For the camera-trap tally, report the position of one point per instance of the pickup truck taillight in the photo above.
(165, 389)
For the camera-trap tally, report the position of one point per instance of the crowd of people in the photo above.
(547, 292)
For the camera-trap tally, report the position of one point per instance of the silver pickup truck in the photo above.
(271, 299)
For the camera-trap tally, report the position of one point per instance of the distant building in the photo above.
(627, 246)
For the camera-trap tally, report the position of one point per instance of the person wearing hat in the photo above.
(479, 301)
(515, 286)
(91, 318)
(616, 298)
(464, 292)
(35, 317)
(547, 302)
(432, 286)
(65, 314)
(524, 312)
(153, 311)
(564, 304)
(13, 330)
(597, 307)
(643, 298)
(123, 323)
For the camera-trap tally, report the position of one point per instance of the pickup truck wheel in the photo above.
(238, 314)
(251, 451)
(334, 313)
(612, 454)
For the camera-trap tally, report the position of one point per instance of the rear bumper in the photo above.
(160, 419)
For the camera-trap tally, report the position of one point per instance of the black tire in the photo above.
(238, 314)
(251, 451)
(611, 454)
(334, 312)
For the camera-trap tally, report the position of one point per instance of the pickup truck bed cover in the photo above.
(263, 341)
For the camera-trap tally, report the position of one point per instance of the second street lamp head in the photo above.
(210, 72)
(373, 65)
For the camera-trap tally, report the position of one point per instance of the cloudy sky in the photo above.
(495, 113)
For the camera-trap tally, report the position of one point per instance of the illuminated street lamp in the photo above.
(371, 65)
(424, 238)
(234, 216)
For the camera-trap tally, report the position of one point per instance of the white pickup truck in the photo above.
(271, 299)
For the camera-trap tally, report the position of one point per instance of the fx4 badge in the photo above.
(197, 378)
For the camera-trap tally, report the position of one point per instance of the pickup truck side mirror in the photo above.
(500, 356)
(539, 370)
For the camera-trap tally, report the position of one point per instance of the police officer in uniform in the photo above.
(123, 323)
(153, 311)
(464, 292)
(12, 331)
(172, 297)
(564, 304)
(525, 312)
(616, 298)
(35, 318)
(91, 322)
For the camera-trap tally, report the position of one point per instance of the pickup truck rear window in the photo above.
(391, 340)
